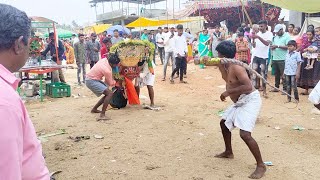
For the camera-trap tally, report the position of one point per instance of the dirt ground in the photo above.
(178, 142)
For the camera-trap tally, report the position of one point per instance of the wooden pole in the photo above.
(245, 11)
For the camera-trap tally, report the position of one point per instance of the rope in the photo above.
(247, 67)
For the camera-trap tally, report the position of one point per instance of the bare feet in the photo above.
(95, 111)
(259, 172)
(228, 155)
(103, 118)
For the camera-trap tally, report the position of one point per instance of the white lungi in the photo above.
(244, 113)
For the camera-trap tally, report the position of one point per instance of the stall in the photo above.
(41, 69)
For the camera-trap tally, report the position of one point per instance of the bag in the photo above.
(118, 100)
(314, 96)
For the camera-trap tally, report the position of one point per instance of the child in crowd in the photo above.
(291, 69)
(242, 48)
(312, 53)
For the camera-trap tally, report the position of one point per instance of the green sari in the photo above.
(203, 47)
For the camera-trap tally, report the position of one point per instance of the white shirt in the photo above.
(168, 43)
(180, 45)
(160, 39)
(261, 50)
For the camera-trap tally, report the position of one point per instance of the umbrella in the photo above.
(62, 33)
(121, 29)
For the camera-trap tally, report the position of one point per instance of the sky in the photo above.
(65, 11)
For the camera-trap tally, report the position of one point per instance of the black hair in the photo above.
(159, 27)
(292, 43)
(311, 26)
(51, 34)
(217, 26)
(80, 35)
(74, 35)
(106, 40)
(227, 49)
(247, 29)
(113, 58)
(145, 29)
(116, 30)
(179, 26)
(263, 22)
(240, 34)
(14, 24)
(240, 29)
(293, 26)
(165, 28)
(93, 34)
(310, 30)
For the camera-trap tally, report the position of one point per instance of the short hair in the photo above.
(145, 29)
(240, 29)
(74, 35)
(81, 35)
(116, 30)
(179, 26)
(106, 40)
(217, 26)
(227, 49)
(159, 27)
(113, 58)
(263, 22)
(51, 34)
(293, 26)
(93, 35)
(14, 24)
(247, 29)
(165, 28)
(292, 43)
(241, 34)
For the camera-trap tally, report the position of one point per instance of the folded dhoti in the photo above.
(244, 113)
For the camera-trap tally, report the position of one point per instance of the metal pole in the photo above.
(111, 5)
(150, 3)
(167, 12)
(102, 7)
(173, 9)
(179, 4)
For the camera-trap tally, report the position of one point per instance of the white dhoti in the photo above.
(244, 113)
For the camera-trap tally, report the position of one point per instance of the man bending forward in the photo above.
(245, 110)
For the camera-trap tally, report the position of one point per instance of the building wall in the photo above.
(296, 18)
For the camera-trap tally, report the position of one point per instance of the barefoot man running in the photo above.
(245, 110)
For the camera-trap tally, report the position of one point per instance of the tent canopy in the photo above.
(307, 6)
(100, 28)
(62, 33)
(145, 22)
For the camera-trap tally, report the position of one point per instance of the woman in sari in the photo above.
(204, 42)
(308, 78)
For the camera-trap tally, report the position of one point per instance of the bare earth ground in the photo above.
(178, 142)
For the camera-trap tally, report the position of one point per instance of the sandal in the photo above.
(184, 82)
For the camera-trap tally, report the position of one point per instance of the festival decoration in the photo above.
(35, 46)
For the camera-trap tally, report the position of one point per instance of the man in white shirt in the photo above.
(180, 51)
(160, 44)
(168, 49)
(261, 42)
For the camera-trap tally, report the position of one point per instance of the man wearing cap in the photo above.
(261, 42)
(279, 50)
(93, 48)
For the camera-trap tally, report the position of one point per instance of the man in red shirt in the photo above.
(105, 47)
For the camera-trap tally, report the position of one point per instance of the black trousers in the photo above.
(278, 72)
(181, 63)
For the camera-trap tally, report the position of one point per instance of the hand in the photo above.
(224, 95)
(254, 36)
(273, 47)
(297, 77)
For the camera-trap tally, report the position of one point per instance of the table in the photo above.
(40, 70)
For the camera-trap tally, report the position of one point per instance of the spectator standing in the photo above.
(57, 75)
(93, 47)
(81, 56)
(180, 52)
(279, 50)
(168, 48)
(160, 44)
(261, 42)
(21, 151)
(116, 37)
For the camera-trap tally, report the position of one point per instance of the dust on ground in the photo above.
(178, 142)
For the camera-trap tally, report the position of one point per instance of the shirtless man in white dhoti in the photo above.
(245, 110)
